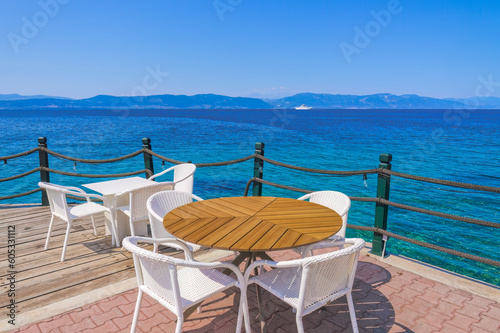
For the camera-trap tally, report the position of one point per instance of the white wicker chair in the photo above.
(183, 176)
(309, 283)
(60, 209)
(136, 209)
(337, 201)
(179, 284)
(159, 205)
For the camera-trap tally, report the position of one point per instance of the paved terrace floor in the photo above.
(387, 298)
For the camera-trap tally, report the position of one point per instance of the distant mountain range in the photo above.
(211, 101)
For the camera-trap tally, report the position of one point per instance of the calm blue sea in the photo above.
(455, 145)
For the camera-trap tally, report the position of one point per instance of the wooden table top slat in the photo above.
(252, 237)
(229, 227)
(229, 237)
(252, 224)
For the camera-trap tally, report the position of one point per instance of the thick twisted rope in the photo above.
(20, 194)
(440, 181)
(27, 173)
(385, 202)
(28, 152)
(199, 165)
(427, 245)
(326, 172)
(81, 160)
(115, 175)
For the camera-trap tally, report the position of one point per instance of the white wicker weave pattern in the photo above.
(159, 204)
(180, 284)
(309, 283)
(337, 201)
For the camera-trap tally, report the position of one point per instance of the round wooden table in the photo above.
(252, 224)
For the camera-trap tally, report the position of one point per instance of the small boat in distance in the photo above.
(303, 107)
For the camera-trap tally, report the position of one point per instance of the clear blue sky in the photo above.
(247, 47)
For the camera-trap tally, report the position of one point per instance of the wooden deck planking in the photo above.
(41, 279)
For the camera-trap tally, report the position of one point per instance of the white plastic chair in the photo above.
(60, 209)
(309, 283)
(183, 176)
(179, 284)
(337, 201)
(136, 209)
(159, 204)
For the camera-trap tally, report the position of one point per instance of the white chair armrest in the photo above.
(173, 241)
(280, 264)
(88, 196)
(161, 173)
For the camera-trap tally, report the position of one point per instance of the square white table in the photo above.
(109, 189)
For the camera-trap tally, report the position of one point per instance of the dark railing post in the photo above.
(148, 159)
(381, 210)
(44, 162)
(258, 169)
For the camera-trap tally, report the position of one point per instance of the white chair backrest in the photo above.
(140, 195)
(182, 171)
(326, 274)
(160, 204)
(157, 272)
(337, 201)
(57, 199)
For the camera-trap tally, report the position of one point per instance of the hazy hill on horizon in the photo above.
(213, 101)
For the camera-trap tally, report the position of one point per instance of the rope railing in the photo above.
(27, 173)
(384, 202)
(427, 245)
(20, 194)
(321, 171)
(441, 181)
(200, 165)
(90, 161)
(11, 157)
(86, 175)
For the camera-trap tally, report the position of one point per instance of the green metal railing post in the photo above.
(44, 162)
(381, 210)
(148, 159)
(258, 169)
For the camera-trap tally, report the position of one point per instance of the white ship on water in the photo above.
(303, 107)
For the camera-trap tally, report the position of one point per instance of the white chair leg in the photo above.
(66, 238)
(244, 307)
(136, 312)
(178, 327)
(155, 247)
(93, 224)
(114, 235)
(49, 232)
(300, 325)
(352, 312)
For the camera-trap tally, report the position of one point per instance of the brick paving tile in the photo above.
(446, 309)
(473, 311)
(147, 324)
(421, 326)
(407, 316)
(457, 299)
(50, 324)
(409, 294)
(420, 285)
(481, 302)
(493, 312)
(475, 329)
(113, 303)
(462, 321)
(442, 288)
(125, 321)
(431, 296)
(78, 316)
(387, 290)
(488, 324)
(419, 305)
(127, 308)
(435, 318)
(103, 317)
(108, 327)
(447, 328)
(78, 327)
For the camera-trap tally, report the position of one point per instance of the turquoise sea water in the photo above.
(454, 145)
